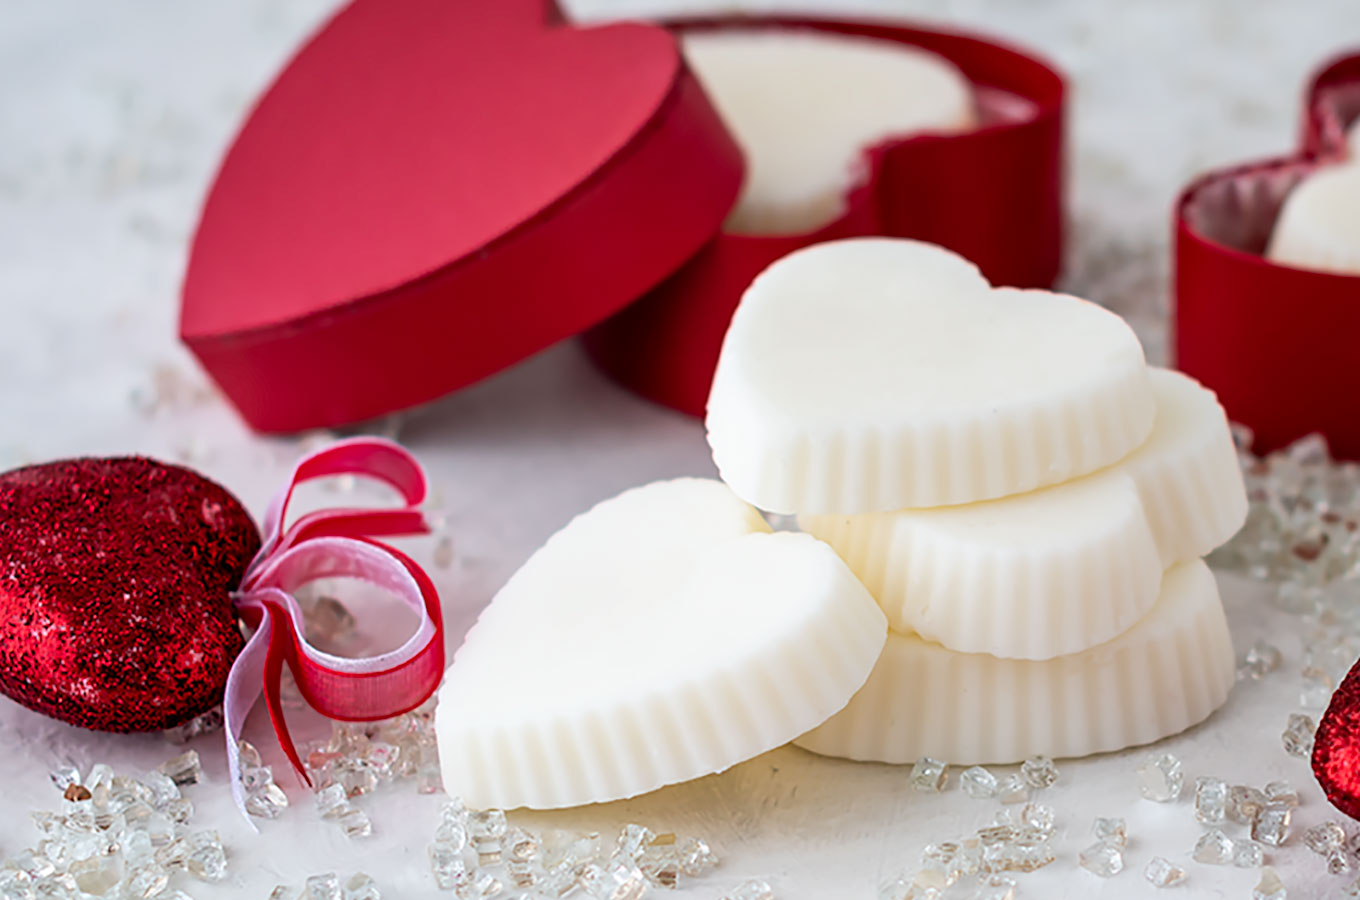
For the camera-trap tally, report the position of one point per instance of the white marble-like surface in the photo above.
(112, 116)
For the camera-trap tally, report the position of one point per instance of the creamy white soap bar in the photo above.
(875, 374)
(1064, 568)
(1168, 672)
(804, 106)
(663, 635)
(1319, 225)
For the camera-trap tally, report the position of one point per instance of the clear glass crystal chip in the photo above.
(1245, 803)
(1260, 660)
(1324, 838)
(1162, 873)
(1272, 825)
(356, 824)
(1038, 817)
(267, 801)
(929, 774)
(634, 839)
(978, 783)
(995, 887)
(1105, 860)
(1039, 772)
(696, 857)
(1012, 788)
(616, 880)
(1270, 886)
(1211, 800)
(205, 858)
(65, 775)
(323, 887)
(1247, 854)
(487, 824)
(752, 890)
(1111, 831)
(1213, 848)
(1160, 778)
(1282, 792)
(283, 892)
(450, 871)
(1338, 862)
(184, 769)
(1298, 736)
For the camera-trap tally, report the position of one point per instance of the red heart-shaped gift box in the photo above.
(433, 190)
(1275, 342)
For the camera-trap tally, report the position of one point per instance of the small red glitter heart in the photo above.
(1336, 747)
(115, 581)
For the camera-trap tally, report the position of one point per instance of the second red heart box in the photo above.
(433, 190)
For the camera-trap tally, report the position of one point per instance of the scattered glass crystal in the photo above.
(485, 824)
(1029, 851)
(184, 769)
(995, 887)
(450, 871)
(361, 887)
(1270, 886)
(356, 824)
(1211, 800)
(205, 858)
(1272, 825)
(929, 774)
(65, 775)
(1110, 831)
(1162, 873)
(1338, 862)
(1160, 778)
(1039, 772)
(1260, 660)
(696, 858)
(323, 887)
(1038, 817)
(1282, 792)
(752, 890)
(1298, 736)
(978, 783)
(1012, 788)
(267, 801)
(207, 723)
(1324, 838)
(1247, 854)
(1105, 860)
(1213, 848)
(1245, 803)
(283, 892)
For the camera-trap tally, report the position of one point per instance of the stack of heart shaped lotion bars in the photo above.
(1027, 501)
(1004, 509)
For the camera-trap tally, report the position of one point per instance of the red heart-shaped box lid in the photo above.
(433, 190)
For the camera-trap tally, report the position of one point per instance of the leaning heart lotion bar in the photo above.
(805, 106)
(663, 635)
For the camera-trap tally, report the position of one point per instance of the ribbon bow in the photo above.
(330, 543)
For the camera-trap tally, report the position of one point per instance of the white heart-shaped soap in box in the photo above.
(1064, 568)
(875, 374)
(663, 635)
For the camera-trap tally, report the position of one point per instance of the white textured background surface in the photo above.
(112, 116)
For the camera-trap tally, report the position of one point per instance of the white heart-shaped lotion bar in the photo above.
(663, 635)
(1319, 225)
(1063, 568)
(1168, 672)
(875, 374)
(805, 106)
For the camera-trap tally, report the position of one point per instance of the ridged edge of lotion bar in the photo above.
(1170, 671)
(1035, 599)
(1191, 488)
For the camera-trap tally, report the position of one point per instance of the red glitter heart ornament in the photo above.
(115, 591)
(1336, 747)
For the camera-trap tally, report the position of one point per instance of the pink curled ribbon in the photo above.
(330, 543)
